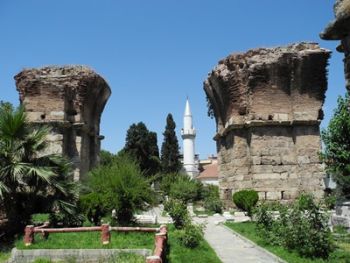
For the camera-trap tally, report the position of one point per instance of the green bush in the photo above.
(120, 186)
(185, 189)
(210, 191)
(211, 198)
(178, 212)
(302, 227)
(191, 235)
(167, 180)
(93, 207)
(213, 204)
(246, 200)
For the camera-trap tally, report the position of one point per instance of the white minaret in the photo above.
(188, 134)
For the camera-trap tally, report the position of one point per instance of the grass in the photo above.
(178, 253)
(90, 240)
(247, 229)
(121, 258)
(5, 252)
(40, 217)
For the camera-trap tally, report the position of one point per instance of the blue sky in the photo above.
(155, 53)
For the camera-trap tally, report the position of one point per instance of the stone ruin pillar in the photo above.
(339, 29)
(267, 104)
(70, 100)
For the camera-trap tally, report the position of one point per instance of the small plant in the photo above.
(330, 201)
(178, 212)
(191, 235)
(246, 200)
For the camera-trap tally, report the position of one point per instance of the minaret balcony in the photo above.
(191, 132)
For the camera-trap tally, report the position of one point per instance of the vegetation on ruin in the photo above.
(170, 148)
(336, 139)
(141, 144)
(120, 186)
(30, 180)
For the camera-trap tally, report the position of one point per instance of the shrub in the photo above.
(210, 195)
(120, 186)
(213, 204)
(185, 189)
(178, 212)
(246, 200)
(330, 201)
(302, 227)
(191, 235)
(167, 180)
(93, 207)
(210, 191)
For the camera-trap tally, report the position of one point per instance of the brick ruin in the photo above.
(267, 104)
(339, 29)
(70, 100)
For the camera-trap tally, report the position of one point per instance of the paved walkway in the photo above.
(229, 247)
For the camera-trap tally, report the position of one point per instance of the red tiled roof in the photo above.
(209, 171)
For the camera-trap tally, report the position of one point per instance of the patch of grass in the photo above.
(40, 217)
(90, 240)
(4, 255)
(5, 252)
(121, 258)
(178, 253)
(248, 230)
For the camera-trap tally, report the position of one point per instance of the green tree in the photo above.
(30, 180)
(106, 157)
(141, 144)
(120, 186)
(336, 154)
(170, 148)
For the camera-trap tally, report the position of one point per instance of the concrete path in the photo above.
(231, 248)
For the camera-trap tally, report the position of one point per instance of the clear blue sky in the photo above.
(155, 53)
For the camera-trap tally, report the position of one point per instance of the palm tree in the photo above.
(30, 180)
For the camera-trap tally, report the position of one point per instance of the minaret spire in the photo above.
(188, 134)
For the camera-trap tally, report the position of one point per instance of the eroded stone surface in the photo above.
(339, 29)
(267, 104)
(69, 99)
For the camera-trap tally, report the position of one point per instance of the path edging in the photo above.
(254, 244)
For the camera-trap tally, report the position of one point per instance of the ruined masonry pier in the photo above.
(267, 104)
(70, 100)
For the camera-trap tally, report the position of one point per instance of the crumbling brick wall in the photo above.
(69, 99)
(267, 104)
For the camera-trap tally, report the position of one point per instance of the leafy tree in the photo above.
(336, 154)
(170, 148)
(141, 144)
(120, 186)
(106, 157)
(30, 180)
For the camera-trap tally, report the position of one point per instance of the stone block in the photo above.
(256, 160)
(274, 160)
(263, 169)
